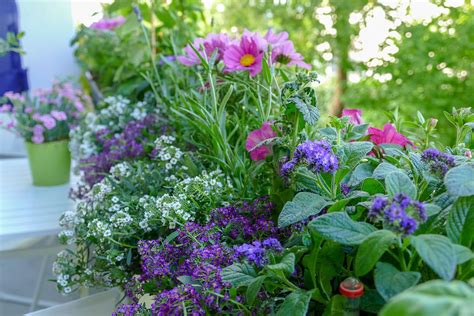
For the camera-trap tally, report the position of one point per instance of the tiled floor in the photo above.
(18, 276)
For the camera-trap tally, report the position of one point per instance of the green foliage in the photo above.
(11, 44)
(432, 298)
(390, 282)
(303, 206)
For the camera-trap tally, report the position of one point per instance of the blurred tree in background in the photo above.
(375, 55)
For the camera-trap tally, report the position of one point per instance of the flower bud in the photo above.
(468, 154)
(433, 122)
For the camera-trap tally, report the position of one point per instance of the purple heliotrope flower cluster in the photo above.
(438, 161)
(401, 214)
(116, 147)
(197, 255)
(256, 252)
(246, 53)
(316, 155)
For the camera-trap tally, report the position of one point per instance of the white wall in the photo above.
(48, 27)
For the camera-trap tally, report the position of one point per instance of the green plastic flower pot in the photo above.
(50, 163)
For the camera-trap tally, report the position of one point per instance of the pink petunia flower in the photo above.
(59, 115)
(191, 58)
(5, 108)
(14, 96)
(285, 54)
(256, 137)
(108, 24)
(355, 116)
(246, 55)
(38, 129)
(28, 110)
(388, 135)
(48, 121)
(276, 39)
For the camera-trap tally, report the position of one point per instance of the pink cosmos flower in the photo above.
(191, 58)
(256, 137)
(246, 55)
(217, 42)
(388, 135)
(355, 116)
(276, 39)
(59, 115)
(48, 121)
(285, 54)
(108, 24)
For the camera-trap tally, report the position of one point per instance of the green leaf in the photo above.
(239, 274)
(360, 173)
(459, 181)
(339, 227)
(286, 265)
(303, 205)
(383, 170)
(389, 281)
(432, 298)
(438, 253)
(295, 304)
(351, 153)
(372, 186)
(340, 204)
(371, 249)
(399, 182)
(463, 254)
(460, 226)
(253, 289)
(371, 301)
(432, 209)
(335, 306)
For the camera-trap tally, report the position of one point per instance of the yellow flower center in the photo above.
(247, 60)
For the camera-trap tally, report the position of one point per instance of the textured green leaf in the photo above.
(303, 205)
(253, 289)
(371, 249)
(399, 182)
(383, 170)
(295, 304)
(459, 181)
(286, 265)
(438, 253)
(389, 281)
(432, 298)
(351, 153)
(460, 226)
(339, 227)
(463, 254)
(360, 173)
(372, 186)
(239, 274)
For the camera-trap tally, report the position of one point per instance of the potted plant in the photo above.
(44, 120)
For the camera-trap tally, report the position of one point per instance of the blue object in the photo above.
(12, 76)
